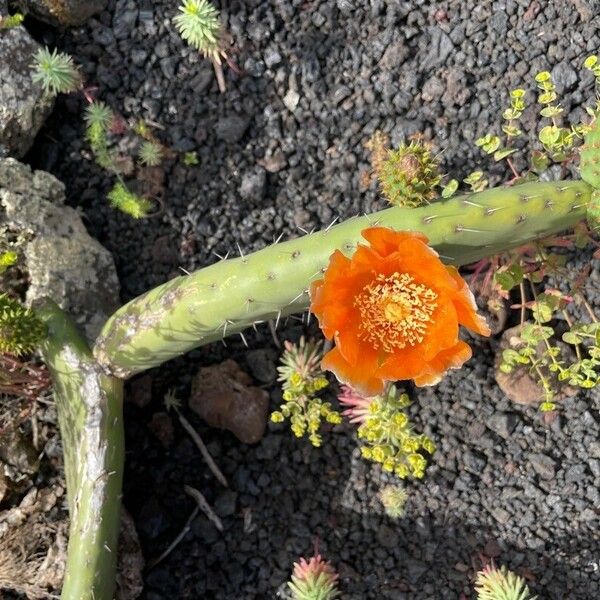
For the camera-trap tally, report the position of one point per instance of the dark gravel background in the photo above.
(282, 149)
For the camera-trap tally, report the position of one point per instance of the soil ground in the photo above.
(283, 149)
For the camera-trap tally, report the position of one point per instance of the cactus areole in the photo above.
(231, 295)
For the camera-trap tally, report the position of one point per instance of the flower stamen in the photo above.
(395, 311)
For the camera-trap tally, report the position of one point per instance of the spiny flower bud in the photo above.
(409, 175)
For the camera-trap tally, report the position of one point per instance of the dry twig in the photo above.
(204, 506)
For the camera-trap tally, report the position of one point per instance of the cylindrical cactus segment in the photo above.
(89, 405)
(231, 295)
(589, 161)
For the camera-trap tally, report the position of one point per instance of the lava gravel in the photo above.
(283, 150)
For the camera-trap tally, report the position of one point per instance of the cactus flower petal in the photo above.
(394, 311)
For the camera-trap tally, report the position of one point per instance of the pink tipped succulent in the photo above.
(358, 410)
(314, 579)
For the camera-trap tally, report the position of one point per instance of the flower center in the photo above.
(395, 311)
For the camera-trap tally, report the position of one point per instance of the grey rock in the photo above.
(387, 536)
(225, 503)
(291, 99)
(501, 515)
(23, 104)
(474, 461)
(204, 530)
(262, 365)
(543, 465)
(439, 48)
(253, 185)
(415, 569)
(272, 58)
(564, 76)
(65, 12)
(17, 451)
(499, 22)
(575, 473)
(273, 163)
(63, 261)
(503, 424)
(231, 129)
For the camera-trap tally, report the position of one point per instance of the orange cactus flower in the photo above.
(394, 310)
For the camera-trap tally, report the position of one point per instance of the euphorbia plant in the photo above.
(392, 308)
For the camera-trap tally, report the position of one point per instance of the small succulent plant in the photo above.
(199, 25)
(151, 154)
(126, 201)
(190, 159)
(55, 71)
(393, 498)
(302, 379)
(20, 330)
(7, 259)
(501, 584)
(98, 114)
(11, 21)
(314, 579)
(98, 118)
(386, 432)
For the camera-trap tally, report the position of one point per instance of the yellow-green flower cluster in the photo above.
(389, 440)
(302, 379)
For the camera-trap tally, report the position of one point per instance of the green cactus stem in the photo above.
(589, 162)
(89, 405)
(231, 295)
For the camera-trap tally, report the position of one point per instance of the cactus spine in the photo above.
(231, 295)
(89, 405)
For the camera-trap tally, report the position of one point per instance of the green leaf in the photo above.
(509, 277)
(450, 188)
(503, 153)
(549, 135)
(590, 62)
(550, 111)
(543, 76)
(534, 334)
(511, 357)
(542, 312)
(570, 337)
(489, 143)
(547, 97)
(539, 161)
(511, 130)
(511, 114)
